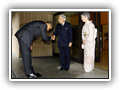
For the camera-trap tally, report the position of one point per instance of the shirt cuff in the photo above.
(51, 38)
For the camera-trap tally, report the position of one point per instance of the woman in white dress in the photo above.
(88, 38)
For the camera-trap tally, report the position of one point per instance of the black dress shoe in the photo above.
(38, 75)
(61, 68)
(66, 69)
(31, 76)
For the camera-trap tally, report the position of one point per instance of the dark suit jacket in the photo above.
(65, 34)
(31, 30)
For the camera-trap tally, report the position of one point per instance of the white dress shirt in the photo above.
(63, 23)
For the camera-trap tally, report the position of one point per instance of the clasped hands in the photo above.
(53, 38)
(84, 42)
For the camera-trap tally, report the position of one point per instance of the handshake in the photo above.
(53, 37)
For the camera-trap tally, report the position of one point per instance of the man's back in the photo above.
(30, 30)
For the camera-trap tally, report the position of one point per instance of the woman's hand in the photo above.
(84, 42)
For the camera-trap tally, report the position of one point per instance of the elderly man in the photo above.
(65, 40)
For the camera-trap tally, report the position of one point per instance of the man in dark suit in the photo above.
(25, 36)
(65, 41)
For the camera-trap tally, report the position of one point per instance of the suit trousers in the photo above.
(26, 57)
(65, 51)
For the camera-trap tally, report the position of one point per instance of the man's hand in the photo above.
(70, 44)
(31, 48)
(53, 37)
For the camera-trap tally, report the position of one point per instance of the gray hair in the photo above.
(64, 17)
(86, 14)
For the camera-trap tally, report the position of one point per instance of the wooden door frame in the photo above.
(97, 59)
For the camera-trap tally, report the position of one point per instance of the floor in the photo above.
(49, 68)
(103, 64)
(13, 74)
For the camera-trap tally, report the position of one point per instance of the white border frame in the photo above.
(58, 10)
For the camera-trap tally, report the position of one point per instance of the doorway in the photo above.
(77, 53)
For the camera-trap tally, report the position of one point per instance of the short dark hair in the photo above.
(49, 22)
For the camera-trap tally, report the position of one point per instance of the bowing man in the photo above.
(25, 36)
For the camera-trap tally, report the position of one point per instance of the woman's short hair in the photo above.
(86, 14)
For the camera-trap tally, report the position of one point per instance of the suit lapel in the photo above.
(63, 27)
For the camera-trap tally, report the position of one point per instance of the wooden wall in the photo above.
(40, 48)
(74, 19)
(103, 18)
